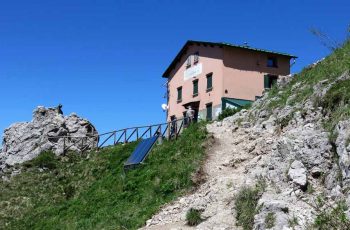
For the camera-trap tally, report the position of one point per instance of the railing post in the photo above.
(114, 137)
(150, 131)
(124, 136)
(137, 134)
(97, 139)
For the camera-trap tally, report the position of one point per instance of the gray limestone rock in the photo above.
(343, 150)
(25, 140)
(297, 173)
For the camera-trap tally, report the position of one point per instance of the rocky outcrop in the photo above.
(26, 140)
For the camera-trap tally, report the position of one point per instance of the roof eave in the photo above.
(183, 49)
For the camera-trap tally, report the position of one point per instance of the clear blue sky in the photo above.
(104, 59)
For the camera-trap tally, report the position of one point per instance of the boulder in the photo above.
(25, 140)
(297, 173)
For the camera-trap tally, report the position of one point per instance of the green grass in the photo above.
(46, 159)
(336, 104)
(246, 204)
(330, 68)
(193, 217)
(332, 218)
(96, 193)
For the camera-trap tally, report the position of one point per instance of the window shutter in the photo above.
(179, 93)
(210, 81)
(195, 87)
(266, 81)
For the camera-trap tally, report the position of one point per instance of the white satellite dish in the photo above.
(165, 107)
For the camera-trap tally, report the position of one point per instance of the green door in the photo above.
(266, 81)
(209, 112)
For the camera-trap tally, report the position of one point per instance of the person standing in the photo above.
(190, 114)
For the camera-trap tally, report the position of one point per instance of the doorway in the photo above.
(269, 81)
(195, 106)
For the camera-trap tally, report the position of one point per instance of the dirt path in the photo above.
(224, 168)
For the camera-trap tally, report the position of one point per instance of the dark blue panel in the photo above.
(141, 151)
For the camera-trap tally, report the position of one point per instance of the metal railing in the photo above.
(166, 130)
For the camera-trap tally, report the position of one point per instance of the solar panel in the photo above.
(141, 151)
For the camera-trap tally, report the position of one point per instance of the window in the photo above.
(195, 88)
(179, 94)
(209, 82)
(196, 57)
(188, 62)
(271, 62)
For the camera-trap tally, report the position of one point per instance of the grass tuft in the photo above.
(246, 206)
(193, 217)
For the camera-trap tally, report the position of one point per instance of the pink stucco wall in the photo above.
(244, 70)
(239, 71)
(212, 61)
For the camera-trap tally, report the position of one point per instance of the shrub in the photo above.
(231, 111)
(69, 191)
(193, 217)
(45, 159)
(270, 220)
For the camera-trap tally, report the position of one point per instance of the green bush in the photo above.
(231, 111)
(193, 217)
(45, 159)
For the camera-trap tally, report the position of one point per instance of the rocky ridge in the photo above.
(288, 148)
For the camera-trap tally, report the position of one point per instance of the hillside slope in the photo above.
(283, 164)
(93, 192)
